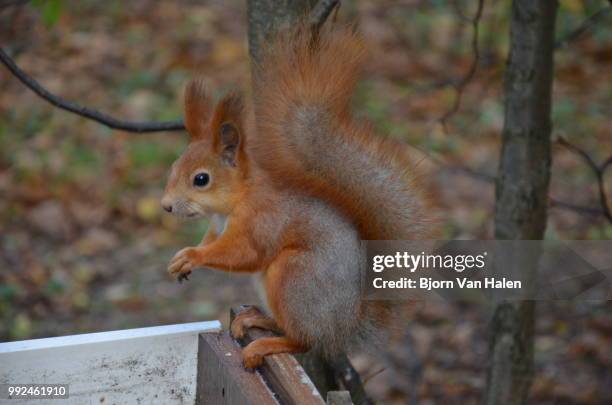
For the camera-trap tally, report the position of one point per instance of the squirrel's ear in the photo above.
(229, 142)
(226, 124)
(197, 109)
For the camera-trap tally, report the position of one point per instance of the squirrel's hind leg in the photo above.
(254, 353)
(252, 318)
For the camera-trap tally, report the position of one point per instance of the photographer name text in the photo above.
(427, 283)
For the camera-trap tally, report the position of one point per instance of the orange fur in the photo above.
(252, 318)
(255, 351)
(211, 235)
(274, 168)
(314, 81)
(197, 108)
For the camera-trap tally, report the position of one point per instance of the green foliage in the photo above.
(7, 292)
(137, 80)
(53, 287)
(145, 153)
(82, 159)
(600, 232)
(49, 9)
(14, 131)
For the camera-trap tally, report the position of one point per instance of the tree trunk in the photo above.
(522, 187)
(265, 17)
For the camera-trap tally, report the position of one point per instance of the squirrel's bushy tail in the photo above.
(307, 139)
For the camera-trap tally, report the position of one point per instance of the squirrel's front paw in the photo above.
(183, 263)
(251, 358)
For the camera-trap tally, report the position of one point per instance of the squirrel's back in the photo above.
(307, 139)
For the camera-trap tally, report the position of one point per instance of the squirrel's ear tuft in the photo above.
(226, 126)
(197, 108)
(230, 108)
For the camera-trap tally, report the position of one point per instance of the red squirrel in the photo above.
(292, 184)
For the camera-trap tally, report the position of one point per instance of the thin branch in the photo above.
(321, 11)
(490, 179)
(598, 169)
(460, 87)
(586, 25)
(560, 44)
(90, 113)
(581, 152)
(576, 208)
(468, 171)
(367, 378)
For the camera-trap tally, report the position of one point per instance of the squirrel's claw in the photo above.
(183, 276)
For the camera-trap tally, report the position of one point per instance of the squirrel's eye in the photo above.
(201, 179)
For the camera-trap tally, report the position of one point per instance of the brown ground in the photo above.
(84, 246)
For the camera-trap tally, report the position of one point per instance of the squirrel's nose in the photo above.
(166, 204)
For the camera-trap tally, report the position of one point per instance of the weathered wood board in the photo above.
(283, 373)
(156, 365)
(222, 380)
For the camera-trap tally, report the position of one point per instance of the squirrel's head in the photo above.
(209, 176)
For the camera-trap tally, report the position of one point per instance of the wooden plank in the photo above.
(283, 373)
(222, 379)
(145, 365)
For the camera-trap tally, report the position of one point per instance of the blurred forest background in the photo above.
(84, 244)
